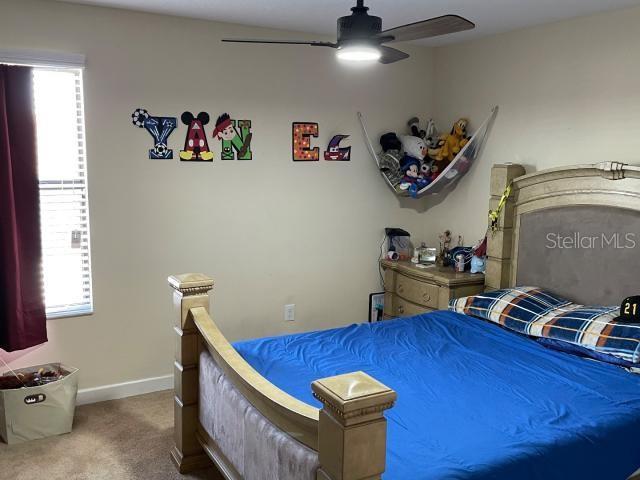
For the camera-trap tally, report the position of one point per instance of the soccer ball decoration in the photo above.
(160, 150)
(139, 116)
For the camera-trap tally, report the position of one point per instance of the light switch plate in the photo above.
(290, 312)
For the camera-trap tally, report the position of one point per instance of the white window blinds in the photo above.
(64, 207)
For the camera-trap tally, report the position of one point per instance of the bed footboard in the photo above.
(348, 433)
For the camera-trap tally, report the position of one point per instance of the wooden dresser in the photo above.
(410, 290)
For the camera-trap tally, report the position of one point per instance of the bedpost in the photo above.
(190, 290)
(499, 242)
(352, 431)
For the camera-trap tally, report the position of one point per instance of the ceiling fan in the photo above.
(361, 38)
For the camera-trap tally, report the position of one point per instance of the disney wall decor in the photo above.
(196, 148)
(301, 142)
(159, 128)
(235, 136)
(335, 152)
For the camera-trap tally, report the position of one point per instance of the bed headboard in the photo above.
(573, 230)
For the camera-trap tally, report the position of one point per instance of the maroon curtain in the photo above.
(22, 313)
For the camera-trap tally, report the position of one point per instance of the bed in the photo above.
(441, 395)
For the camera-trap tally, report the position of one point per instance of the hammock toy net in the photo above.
(453, 172)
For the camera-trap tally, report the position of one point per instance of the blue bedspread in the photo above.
(474, 401)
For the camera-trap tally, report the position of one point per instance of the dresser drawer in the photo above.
(403, 308)
(416, 291)
(388, 304)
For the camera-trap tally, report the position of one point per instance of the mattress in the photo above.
(474, 401)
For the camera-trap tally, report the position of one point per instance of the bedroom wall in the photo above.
(270, 231)
(568, 94)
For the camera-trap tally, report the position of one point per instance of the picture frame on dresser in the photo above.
(376, 307)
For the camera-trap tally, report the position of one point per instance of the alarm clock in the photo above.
(630, 310)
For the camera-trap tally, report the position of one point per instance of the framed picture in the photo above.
(376, 306)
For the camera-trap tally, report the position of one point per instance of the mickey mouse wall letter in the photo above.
(302, 151)
(159, 128)
(196, 147)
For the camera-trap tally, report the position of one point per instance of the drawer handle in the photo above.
(426, 297)
(400, 309)
(400, 289)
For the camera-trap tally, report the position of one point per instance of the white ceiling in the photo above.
(319, 16)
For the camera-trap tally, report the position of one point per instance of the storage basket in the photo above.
(27, 413)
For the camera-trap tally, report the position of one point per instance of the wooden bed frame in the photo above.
(349, 432)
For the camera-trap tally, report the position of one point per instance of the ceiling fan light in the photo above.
(359, 53)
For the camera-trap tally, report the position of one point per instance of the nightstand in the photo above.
(409, 290)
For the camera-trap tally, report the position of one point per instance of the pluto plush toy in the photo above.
(451, 144)
(413, 165)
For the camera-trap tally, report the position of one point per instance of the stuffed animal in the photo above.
(411, 170)
(390, 141)
(412, 180)
(390, 157)
(450, 145)
(414, 128)
(413, 164)
(414, 147)
(429, 135)
(417, 149)
(432, 136)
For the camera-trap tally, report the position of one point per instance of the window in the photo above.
(64, 207)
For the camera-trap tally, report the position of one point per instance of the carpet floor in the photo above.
(116, 440)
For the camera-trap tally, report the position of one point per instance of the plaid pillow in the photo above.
(535, 312)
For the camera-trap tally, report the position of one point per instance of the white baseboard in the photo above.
(122, 390)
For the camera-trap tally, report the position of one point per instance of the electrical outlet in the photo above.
(290, 312)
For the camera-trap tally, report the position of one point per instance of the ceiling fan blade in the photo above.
(280, 42)
(390, 55)
(433, 27)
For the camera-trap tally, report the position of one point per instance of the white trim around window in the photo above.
(41, 58)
